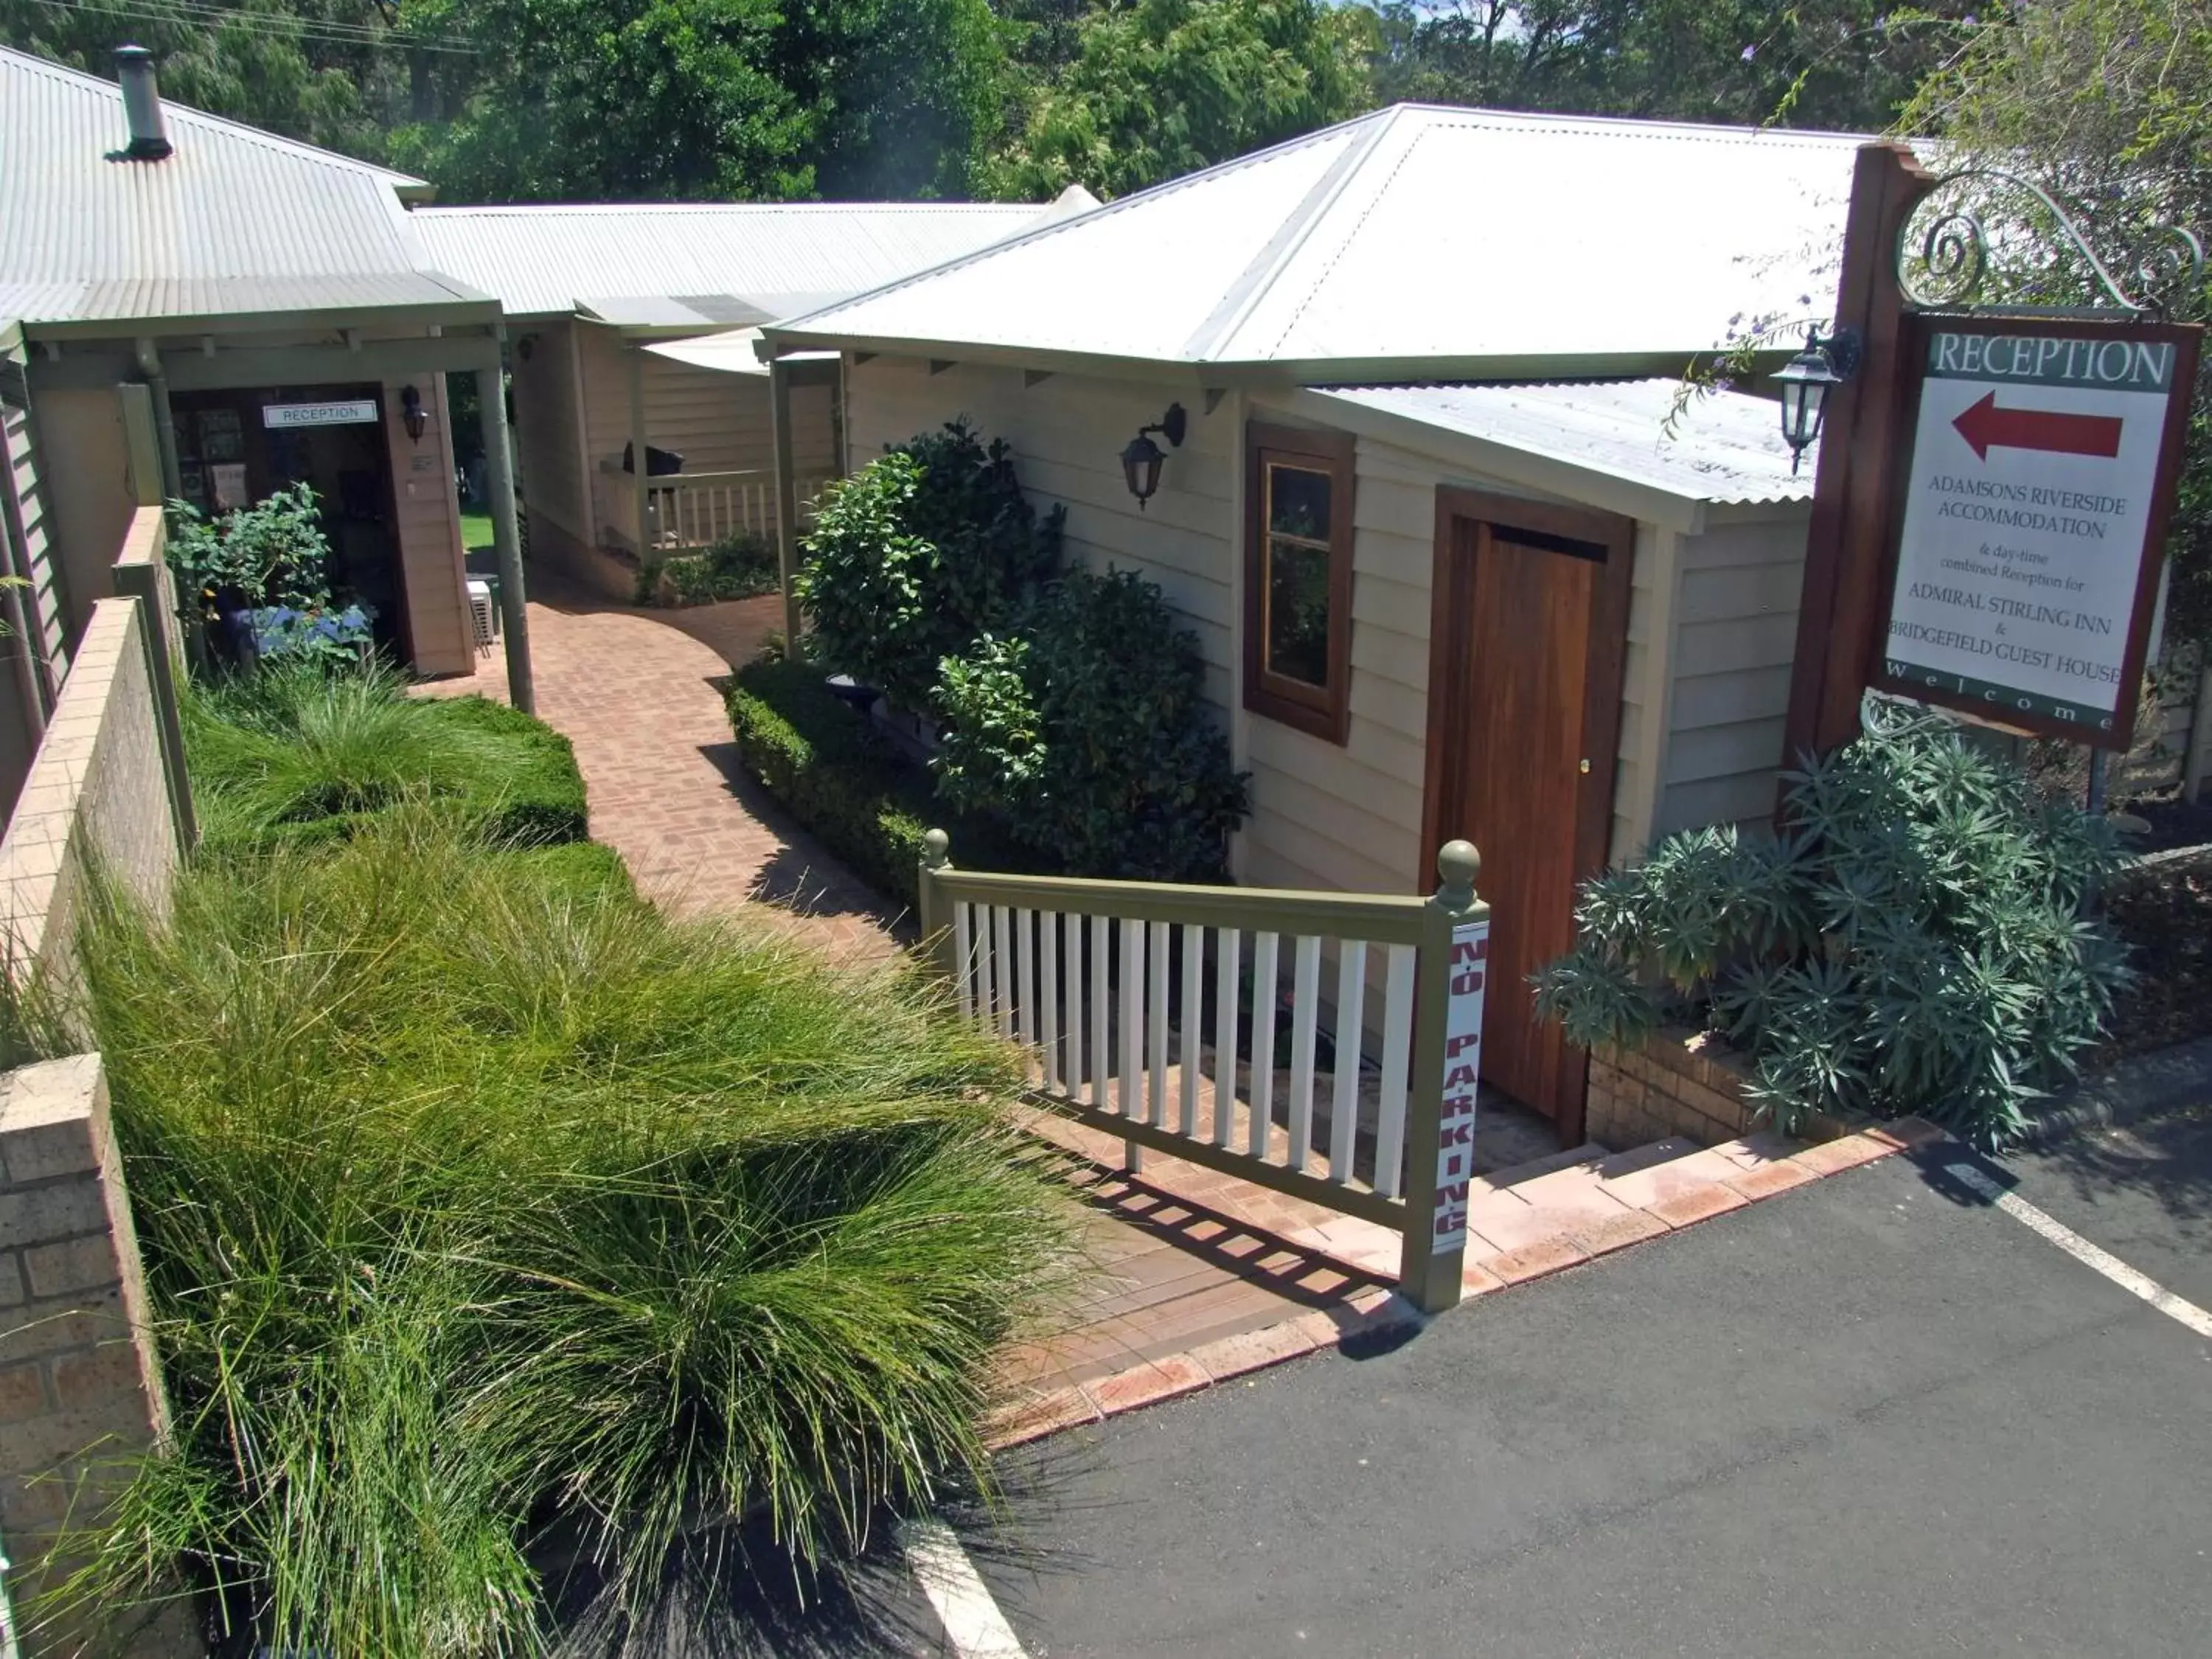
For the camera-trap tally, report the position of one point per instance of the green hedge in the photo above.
(579, 871)
(529, 791)
(846, 785)
(304, 758)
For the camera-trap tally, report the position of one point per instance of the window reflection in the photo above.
(1297, 576)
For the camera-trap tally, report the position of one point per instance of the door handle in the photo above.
(1582, 767)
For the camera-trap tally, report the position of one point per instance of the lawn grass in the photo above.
(483, 1205)
(476, 530)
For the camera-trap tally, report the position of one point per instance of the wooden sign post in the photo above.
(1844, 546)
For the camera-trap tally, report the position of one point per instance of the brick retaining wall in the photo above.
(80, 1394)
(1680, 1083)
(97, 798)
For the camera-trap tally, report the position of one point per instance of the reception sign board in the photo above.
(2038, 472)
(351, 411)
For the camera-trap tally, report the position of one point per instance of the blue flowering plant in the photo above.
(314, 634)
(258, 583)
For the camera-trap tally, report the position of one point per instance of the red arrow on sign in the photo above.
(1986, 426)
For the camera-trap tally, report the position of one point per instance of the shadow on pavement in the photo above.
(734, 1595)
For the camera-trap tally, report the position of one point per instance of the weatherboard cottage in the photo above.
(1423, 369)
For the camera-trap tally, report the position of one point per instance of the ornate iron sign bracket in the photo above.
(1951, 259)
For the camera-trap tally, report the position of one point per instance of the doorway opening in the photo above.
(237, 447)
(1529, 644)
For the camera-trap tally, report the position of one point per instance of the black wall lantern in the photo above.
(1141, 461)
(410, 413)
(1807, 379)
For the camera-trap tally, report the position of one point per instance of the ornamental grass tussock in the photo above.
(486, 1211)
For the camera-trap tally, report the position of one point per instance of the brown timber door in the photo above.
(1530, 635)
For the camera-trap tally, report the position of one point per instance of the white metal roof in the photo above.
(234, 221)
(776, 256)
(732, 351)
(1726, 447)
(693, 313)
(1421, 239)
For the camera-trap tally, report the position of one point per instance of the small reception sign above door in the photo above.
(353, 412)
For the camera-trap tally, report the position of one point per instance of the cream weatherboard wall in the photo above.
(86, 468)
(1711, 616)
(1066, 434)
(1325, 817)
(717, 421)
(1727, 687)
(549, 436)
(428, 530)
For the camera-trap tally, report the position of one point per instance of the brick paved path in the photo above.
(639, 692)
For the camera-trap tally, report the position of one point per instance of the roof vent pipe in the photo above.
(142, 104)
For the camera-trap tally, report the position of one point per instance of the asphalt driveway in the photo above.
(1876, 1416)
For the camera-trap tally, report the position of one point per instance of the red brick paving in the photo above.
(639, 692)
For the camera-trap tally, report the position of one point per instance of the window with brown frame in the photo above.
(1298, 578)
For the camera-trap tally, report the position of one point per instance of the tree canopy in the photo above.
(327, 71)
(543, 100)
(1160, 87)
(2106, 104)
(1837, 65)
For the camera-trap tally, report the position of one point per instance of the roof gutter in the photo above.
(422, 314)
(1505, 463)
(1288, 372)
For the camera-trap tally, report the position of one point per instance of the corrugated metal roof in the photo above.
(778, 256)
(218, 296)
(1408, 236)
(731, 352)
(236, 220)
(1726, 447)
(695, 312)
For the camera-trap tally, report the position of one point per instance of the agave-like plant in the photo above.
(1918, 940)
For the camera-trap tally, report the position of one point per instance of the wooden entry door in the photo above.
(1529, 634)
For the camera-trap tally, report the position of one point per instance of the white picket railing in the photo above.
(1133, 1002)
(687, 512)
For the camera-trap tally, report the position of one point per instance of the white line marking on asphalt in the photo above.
(973, 1624)
(2090, 1256)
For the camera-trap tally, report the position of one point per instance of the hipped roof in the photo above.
(1414, 243)
(772, 258)
(235, 223)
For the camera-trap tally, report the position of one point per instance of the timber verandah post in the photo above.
(786, 502)
(507, 537)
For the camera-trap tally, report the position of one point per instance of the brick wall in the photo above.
(96, 797)
(1680, 1083)
(79, 1393)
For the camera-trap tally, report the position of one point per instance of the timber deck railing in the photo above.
(1155, 1012)
(686, 512)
